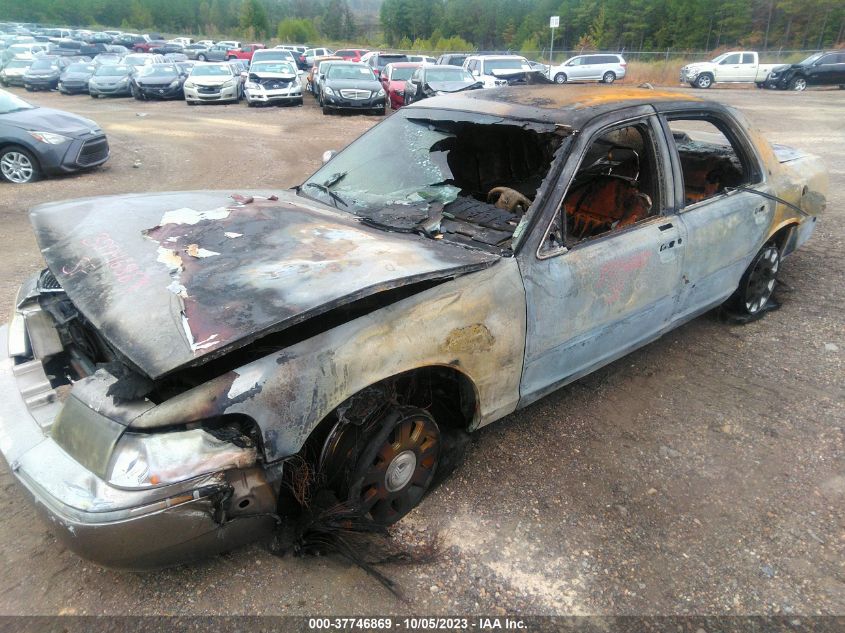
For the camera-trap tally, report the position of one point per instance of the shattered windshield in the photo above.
(429, 173)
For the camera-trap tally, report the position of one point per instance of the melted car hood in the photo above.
(175, 279)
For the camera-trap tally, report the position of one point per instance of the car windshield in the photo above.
(135, 60)
(11, 103)
(159, 70)
(211, 70)
(81, 68)
(401, 74)
(339, 71)
(414, 168)
(44, 64)
(272, 67)
(19, 63)
(449, 74)
(811, 59)
(117, 70)
(107, 59)
(492, 65)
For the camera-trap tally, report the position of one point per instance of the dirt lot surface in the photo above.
(704, 474)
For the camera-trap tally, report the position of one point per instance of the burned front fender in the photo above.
(474, 323)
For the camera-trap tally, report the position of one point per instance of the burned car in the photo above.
(158, 81)
(168, 373)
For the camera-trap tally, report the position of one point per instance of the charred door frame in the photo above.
(549, 369)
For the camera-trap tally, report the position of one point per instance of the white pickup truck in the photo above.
(736, 67)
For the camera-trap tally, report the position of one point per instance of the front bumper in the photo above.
(13, 80)
(79, 153)
(73, 88)
(160, 92)
(114, 527)
(274, 96)
(212, 93)
(337, 102)
(37, 83)
(119, 90)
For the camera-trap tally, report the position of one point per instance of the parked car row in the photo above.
(819, 69)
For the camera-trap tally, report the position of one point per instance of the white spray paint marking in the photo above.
(192, 216)
(232, 236)
(244, 382)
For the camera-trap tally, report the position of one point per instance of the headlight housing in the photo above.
(251, 85)
(51, 138)
(380, 93)
(328, 91)
(174, 83)
(188, 84)
(228, 84)
(143, 460)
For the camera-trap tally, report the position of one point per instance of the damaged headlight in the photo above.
(143, 461)
(174, 83)
(188, 84)
(251, 85)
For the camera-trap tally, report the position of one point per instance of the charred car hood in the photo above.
(173, 280)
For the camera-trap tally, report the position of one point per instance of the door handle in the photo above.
(760, 210)
(665, 246)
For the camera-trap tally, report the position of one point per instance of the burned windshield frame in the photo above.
(438, 191)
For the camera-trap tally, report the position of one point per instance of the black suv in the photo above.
(819, 69)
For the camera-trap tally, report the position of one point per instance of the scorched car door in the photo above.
(724, 227)
(603, 295)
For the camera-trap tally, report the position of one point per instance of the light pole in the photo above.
(554, 22)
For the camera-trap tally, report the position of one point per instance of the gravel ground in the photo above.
(703, 474)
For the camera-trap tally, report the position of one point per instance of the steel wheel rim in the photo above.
(16, 167)
(411, 454)
(761, 281)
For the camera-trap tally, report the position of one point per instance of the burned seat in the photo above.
(603, 203)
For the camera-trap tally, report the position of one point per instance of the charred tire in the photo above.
(609, 77)
(798, 84)
(384, 467)
(18, 165)
(704, 81)
(757, 283)
(561, 78)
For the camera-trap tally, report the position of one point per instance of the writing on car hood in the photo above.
(174, 279)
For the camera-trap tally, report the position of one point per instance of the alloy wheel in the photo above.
(16, 167)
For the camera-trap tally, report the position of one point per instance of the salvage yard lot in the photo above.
(704, 474)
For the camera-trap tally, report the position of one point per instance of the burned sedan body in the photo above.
(511, 241)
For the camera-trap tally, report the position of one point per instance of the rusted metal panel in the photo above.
(171, 280)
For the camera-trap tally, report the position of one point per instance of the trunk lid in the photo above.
(172, 280)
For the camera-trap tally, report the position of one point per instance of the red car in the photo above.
(147, 46)
(245, 52)
(393, 78)
(352, 54)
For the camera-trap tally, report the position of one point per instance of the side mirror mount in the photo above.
(328, 155)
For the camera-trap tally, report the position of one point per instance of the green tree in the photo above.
(253, 18)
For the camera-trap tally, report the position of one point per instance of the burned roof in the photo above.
(569, 105)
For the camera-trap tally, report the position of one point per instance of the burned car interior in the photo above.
(473, 183)
(709, 159)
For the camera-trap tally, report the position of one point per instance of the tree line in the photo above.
(300, 20)
(633, 25)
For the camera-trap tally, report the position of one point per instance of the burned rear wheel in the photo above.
(757, 284)
(384, 467)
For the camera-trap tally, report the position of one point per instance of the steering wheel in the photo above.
(508, 199)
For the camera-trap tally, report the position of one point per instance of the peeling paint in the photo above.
(473, 338)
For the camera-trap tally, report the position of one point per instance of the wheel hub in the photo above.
(400, 471)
